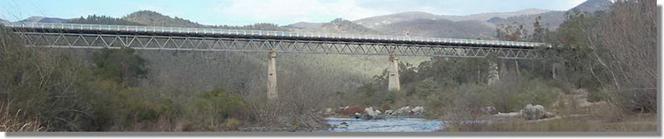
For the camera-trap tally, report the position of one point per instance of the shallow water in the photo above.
(386, 125)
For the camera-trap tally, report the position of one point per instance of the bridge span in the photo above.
(93, 36)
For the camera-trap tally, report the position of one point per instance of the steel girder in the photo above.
(194, 43)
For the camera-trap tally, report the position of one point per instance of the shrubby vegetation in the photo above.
(604, 52)
(63, 94)
(46, 86)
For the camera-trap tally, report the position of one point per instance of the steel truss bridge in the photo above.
(210, 39)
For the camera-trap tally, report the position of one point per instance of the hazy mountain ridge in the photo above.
(440, 28)
(553, 19)
(430, 25)
(95, 19)
(487, 16)
(345, 26)
(592, 6)
(152, 18)
(550, 20)
(404, 23)
(336, 26)
(305, 25)
(41, 19)
(377, 21)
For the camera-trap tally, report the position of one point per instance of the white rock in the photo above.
(389, 112)
(418, 110)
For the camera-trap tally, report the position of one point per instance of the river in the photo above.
(385, 125)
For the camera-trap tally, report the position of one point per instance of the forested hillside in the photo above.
(152, 18)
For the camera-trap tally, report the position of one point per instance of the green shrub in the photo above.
(44, 83)
(209, 109)
(510, 96)
(232, 124)
(120, 108)
(124, 66)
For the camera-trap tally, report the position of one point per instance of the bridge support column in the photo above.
(393, 77)
(494, 74)
(554, 70)
(272, 75)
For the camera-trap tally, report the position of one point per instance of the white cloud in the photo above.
(284, 11)
(575, 2)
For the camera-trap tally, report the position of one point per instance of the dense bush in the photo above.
(120, 65)
(46, 85)
(217, 109)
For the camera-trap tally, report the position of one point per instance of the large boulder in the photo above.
(533, 112)
(349, 110)
(402, 111)
(371, 113)
(389, 112)
(418, 110)
(328, 111)
(489, 110)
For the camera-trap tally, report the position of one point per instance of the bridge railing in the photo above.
(261, 33)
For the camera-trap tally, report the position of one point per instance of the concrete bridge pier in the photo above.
(494, 74)
(393, 76)
(554, 70)
(272, 75)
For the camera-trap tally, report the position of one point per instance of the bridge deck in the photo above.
(258, 34)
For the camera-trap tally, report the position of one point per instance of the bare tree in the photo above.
(625, 43)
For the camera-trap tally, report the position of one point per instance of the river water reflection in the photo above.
(384, 125)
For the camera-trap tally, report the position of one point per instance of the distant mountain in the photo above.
(550, 20)
(592, 6)
(553, 19)
(345, 26)
(470, 29)
(305, 25)
(3, 21)
(431, 25)
(487, 16)
(258, 26)
(152, 18)
(40, 19)
(335, 26)
(95, 19)
(377, 21)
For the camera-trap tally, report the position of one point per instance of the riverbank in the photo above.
(638, 122)
(598, 118)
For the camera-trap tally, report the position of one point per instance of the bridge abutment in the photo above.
(393, 77)
(272, 75)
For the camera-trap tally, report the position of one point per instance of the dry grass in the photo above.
(601, 118)
(14, 121)
(639, 123)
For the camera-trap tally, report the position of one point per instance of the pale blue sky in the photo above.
(282, 12)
